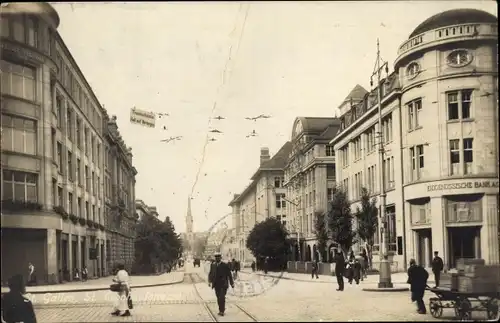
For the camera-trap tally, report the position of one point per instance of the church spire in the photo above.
(189, 217)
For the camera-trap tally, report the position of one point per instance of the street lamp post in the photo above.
(385, 266)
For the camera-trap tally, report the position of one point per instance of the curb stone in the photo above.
(95, 289)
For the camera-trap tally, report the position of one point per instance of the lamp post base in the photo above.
(385, 274)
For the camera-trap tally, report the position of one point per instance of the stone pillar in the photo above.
(79, 253)
(70, 256)
(489, 230)
(45, 131)
(427, 252)
(438, 228)
(51, 256)
(415, 248)
(477, 246)
(99, 258)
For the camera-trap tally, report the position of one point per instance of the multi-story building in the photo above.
(309, 180)
(440, 138)
(263, 198)
(119, 195)
(52, 161)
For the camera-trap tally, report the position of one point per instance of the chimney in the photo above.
(264, 155)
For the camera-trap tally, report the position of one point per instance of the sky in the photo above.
(196, 60)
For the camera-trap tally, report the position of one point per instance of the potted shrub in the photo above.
(20, 206)
(89, 222)
(101, 227)
(73, 218)
(96, 225)
(82, 221)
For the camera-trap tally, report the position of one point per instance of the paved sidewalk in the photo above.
(104, 282)
(397, 278)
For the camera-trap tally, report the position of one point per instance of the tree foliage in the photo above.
(367, 217)
(268, 239)
(198, 246)
(156, 242)
(321, 233)
(340, 220)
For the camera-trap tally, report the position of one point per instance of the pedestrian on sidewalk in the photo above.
(366, 263)
(16, 307)
(437, 268)
(253, 265)
(417, 278)
(85, 274)
(266, 265)
(314, 272)
(31, 274)
(122, 304)
(339, 269)
(219, 278)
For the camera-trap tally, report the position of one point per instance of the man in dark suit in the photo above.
(437, 268)
(417, 278)
(339, 269)
(219, 279)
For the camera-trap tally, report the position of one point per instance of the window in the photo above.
(79, 207)
(87, 179)
(459, 105)
(417, 162)
(370, 140)
(59, 103)
(92, 178)
(18, 30)
(70, 203)
(70, 166)
(5, 27)
(344, 155)
(20, 186)
(391, 230)
(98, 153)
(329, 194)
(278, 181)
(19, 135)
(468, 155)
(69, 123)
(454, 156)
(78, 171)
(18, 80)
(87, 210)
(92, 141)
(78, 132)
(32, 32)
(356, 145)
(86, 140)
(387, 129)
(59, 156)
(459, 58)
(60, 196)
(414, 110)
(330, 172)
(93, 213)
(330, 151)
(412, 70)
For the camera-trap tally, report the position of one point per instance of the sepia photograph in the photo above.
(249, 161)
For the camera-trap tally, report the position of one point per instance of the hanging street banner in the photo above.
(142, 118)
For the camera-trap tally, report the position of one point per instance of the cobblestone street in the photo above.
(287, 301)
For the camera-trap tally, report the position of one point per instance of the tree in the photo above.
(339, 219)
(198, 247)
(268, 239)
(321, 232)
(156, 243)
(367, 217)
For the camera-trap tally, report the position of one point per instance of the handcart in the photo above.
(464, 303)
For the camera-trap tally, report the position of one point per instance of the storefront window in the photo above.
(32, 32)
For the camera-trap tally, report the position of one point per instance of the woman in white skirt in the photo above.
(122, 278)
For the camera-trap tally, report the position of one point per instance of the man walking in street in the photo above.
(417, 278)
(339, 269)
(219, 278)
(315, 269)
(437, 267)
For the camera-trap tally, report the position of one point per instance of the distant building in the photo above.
(263, 198)
(440, 137)
(309, 180)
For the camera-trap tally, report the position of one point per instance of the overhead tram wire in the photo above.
(214, 106)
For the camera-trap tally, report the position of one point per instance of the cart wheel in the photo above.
(464, 310)
(436, 308)
(492, 310)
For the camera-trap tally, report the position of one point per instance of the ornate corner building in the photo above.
(439, 133)
(64, 167)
